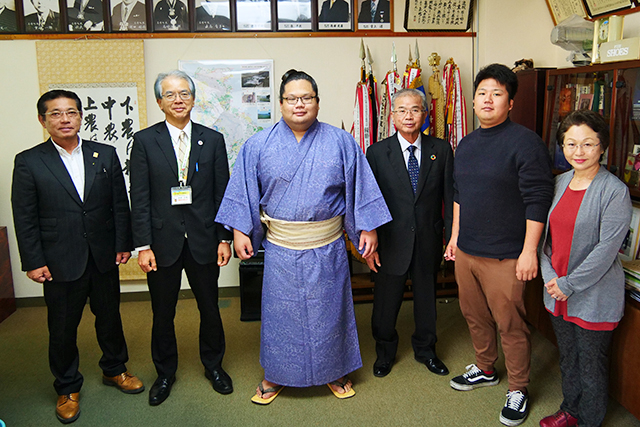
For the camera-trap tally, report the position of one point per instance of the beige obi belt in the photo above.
(302, 235)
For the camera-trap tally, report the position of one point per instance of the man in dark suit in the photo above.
(374, 11)
(171, 15)
(71, 216)
(86, 15)
(334, 11)
(415, 174)
(43, 19)
(129, 15)
(8, 21)
(179, 172)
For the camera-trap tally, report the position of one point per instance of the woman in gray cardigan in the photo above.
(584, 281)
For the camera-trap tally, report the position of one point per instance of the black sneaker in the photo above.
(516, 408)
(473, 378)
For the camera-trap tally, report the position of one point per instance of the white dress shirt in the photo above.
(404, 144)
(74, 163)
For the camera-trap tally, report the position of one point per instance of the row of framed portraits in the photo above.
(86, 16)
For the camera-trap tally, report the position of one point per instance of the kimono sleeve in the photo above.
(240, 208)
(365, 205)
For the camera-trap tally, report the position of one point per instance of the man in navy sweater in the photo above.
(502, 192)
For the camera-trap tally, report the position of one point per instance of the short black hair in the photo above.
(292, 75)
(500, 73)
(55, 94)
(595, 121)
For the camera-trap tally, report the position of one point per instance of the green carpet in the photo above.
(409, 396)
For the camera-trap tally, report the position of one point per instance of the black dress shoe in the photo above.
(161, 390)
(220, 380)
(382, 369)
(436, 366)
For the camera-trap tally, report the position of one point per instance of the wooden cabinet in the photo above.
(613, 90)
(528, 104)
(7, 296)
(625, 353)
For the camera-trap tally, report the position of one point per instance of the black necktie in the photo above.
(414, 169)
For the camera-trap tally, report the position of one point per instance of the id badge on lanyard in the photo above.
(181, 195)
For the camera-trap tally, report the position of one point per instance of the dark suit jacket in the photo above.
(162, 20)
(338, 13)
(154, 170)
(8, 20)
(417, 220)
(382, 12)
(137, 18)
(54, 227)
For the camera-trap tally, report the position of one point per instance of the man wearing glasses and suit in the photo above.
(179, 172)
(415, 174)
(71, 216)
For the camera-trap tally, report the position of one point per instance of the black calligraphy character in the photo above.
(108, 105)
(110, 132)
(126, 105)
(90, 123)
(90, 104)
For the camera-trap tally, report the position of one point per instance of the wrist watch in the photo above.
(225, 241)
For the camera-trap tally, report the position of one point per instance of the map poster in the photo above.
(234, 97)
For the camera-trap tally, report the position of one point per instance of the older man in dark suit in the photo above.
(72, 222)
(415, 174)
(179, 172)
(374, 11)
(129, 15)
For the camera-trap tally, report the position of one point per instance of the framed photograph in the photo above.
(8, 18)
(128, 15)
(441, 15)
(213, 15)
(254, 15)
(41, 16)
(335, 15)
(562, 9)
(170, 15)
(375, 15)
(294, 15)
(85, 15)
(603, 7)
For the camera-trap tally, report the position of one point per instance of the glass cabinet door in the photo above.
(576, 91)
(625, 138)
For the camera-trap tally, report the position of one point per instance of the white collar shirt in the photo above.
(74, 163)
(404, 145)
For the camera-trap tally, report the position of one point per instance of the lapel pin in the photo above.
(433, 157)
(95, 154)
(200, 142)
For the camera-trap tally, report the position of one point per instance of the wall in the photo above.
(505, 34)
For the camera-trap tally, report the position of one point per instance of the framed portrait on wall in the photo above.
(294, 15)
(8, 18)
(213, 15)
(335, 15)
(374, 14)
(128, 15)
(443, 15)
(254, 15)
(85, 15)
(41, 16)
(170, 15)
(603, 7)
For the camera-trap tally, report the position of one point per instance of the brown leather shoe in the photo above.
(68, 408)
(125, 382)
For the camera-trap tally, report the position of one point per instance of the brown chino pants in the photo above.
(491, 295)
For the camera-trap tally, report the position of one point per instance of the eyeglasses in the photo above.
(57, 115)
(402, 112)
(586, 147)
(171, 96)
(293, 100)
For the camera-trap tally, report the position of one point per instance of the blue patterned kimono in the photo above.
(308, 334)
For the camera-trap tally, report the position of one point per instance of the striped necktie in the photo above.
(183, 151)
